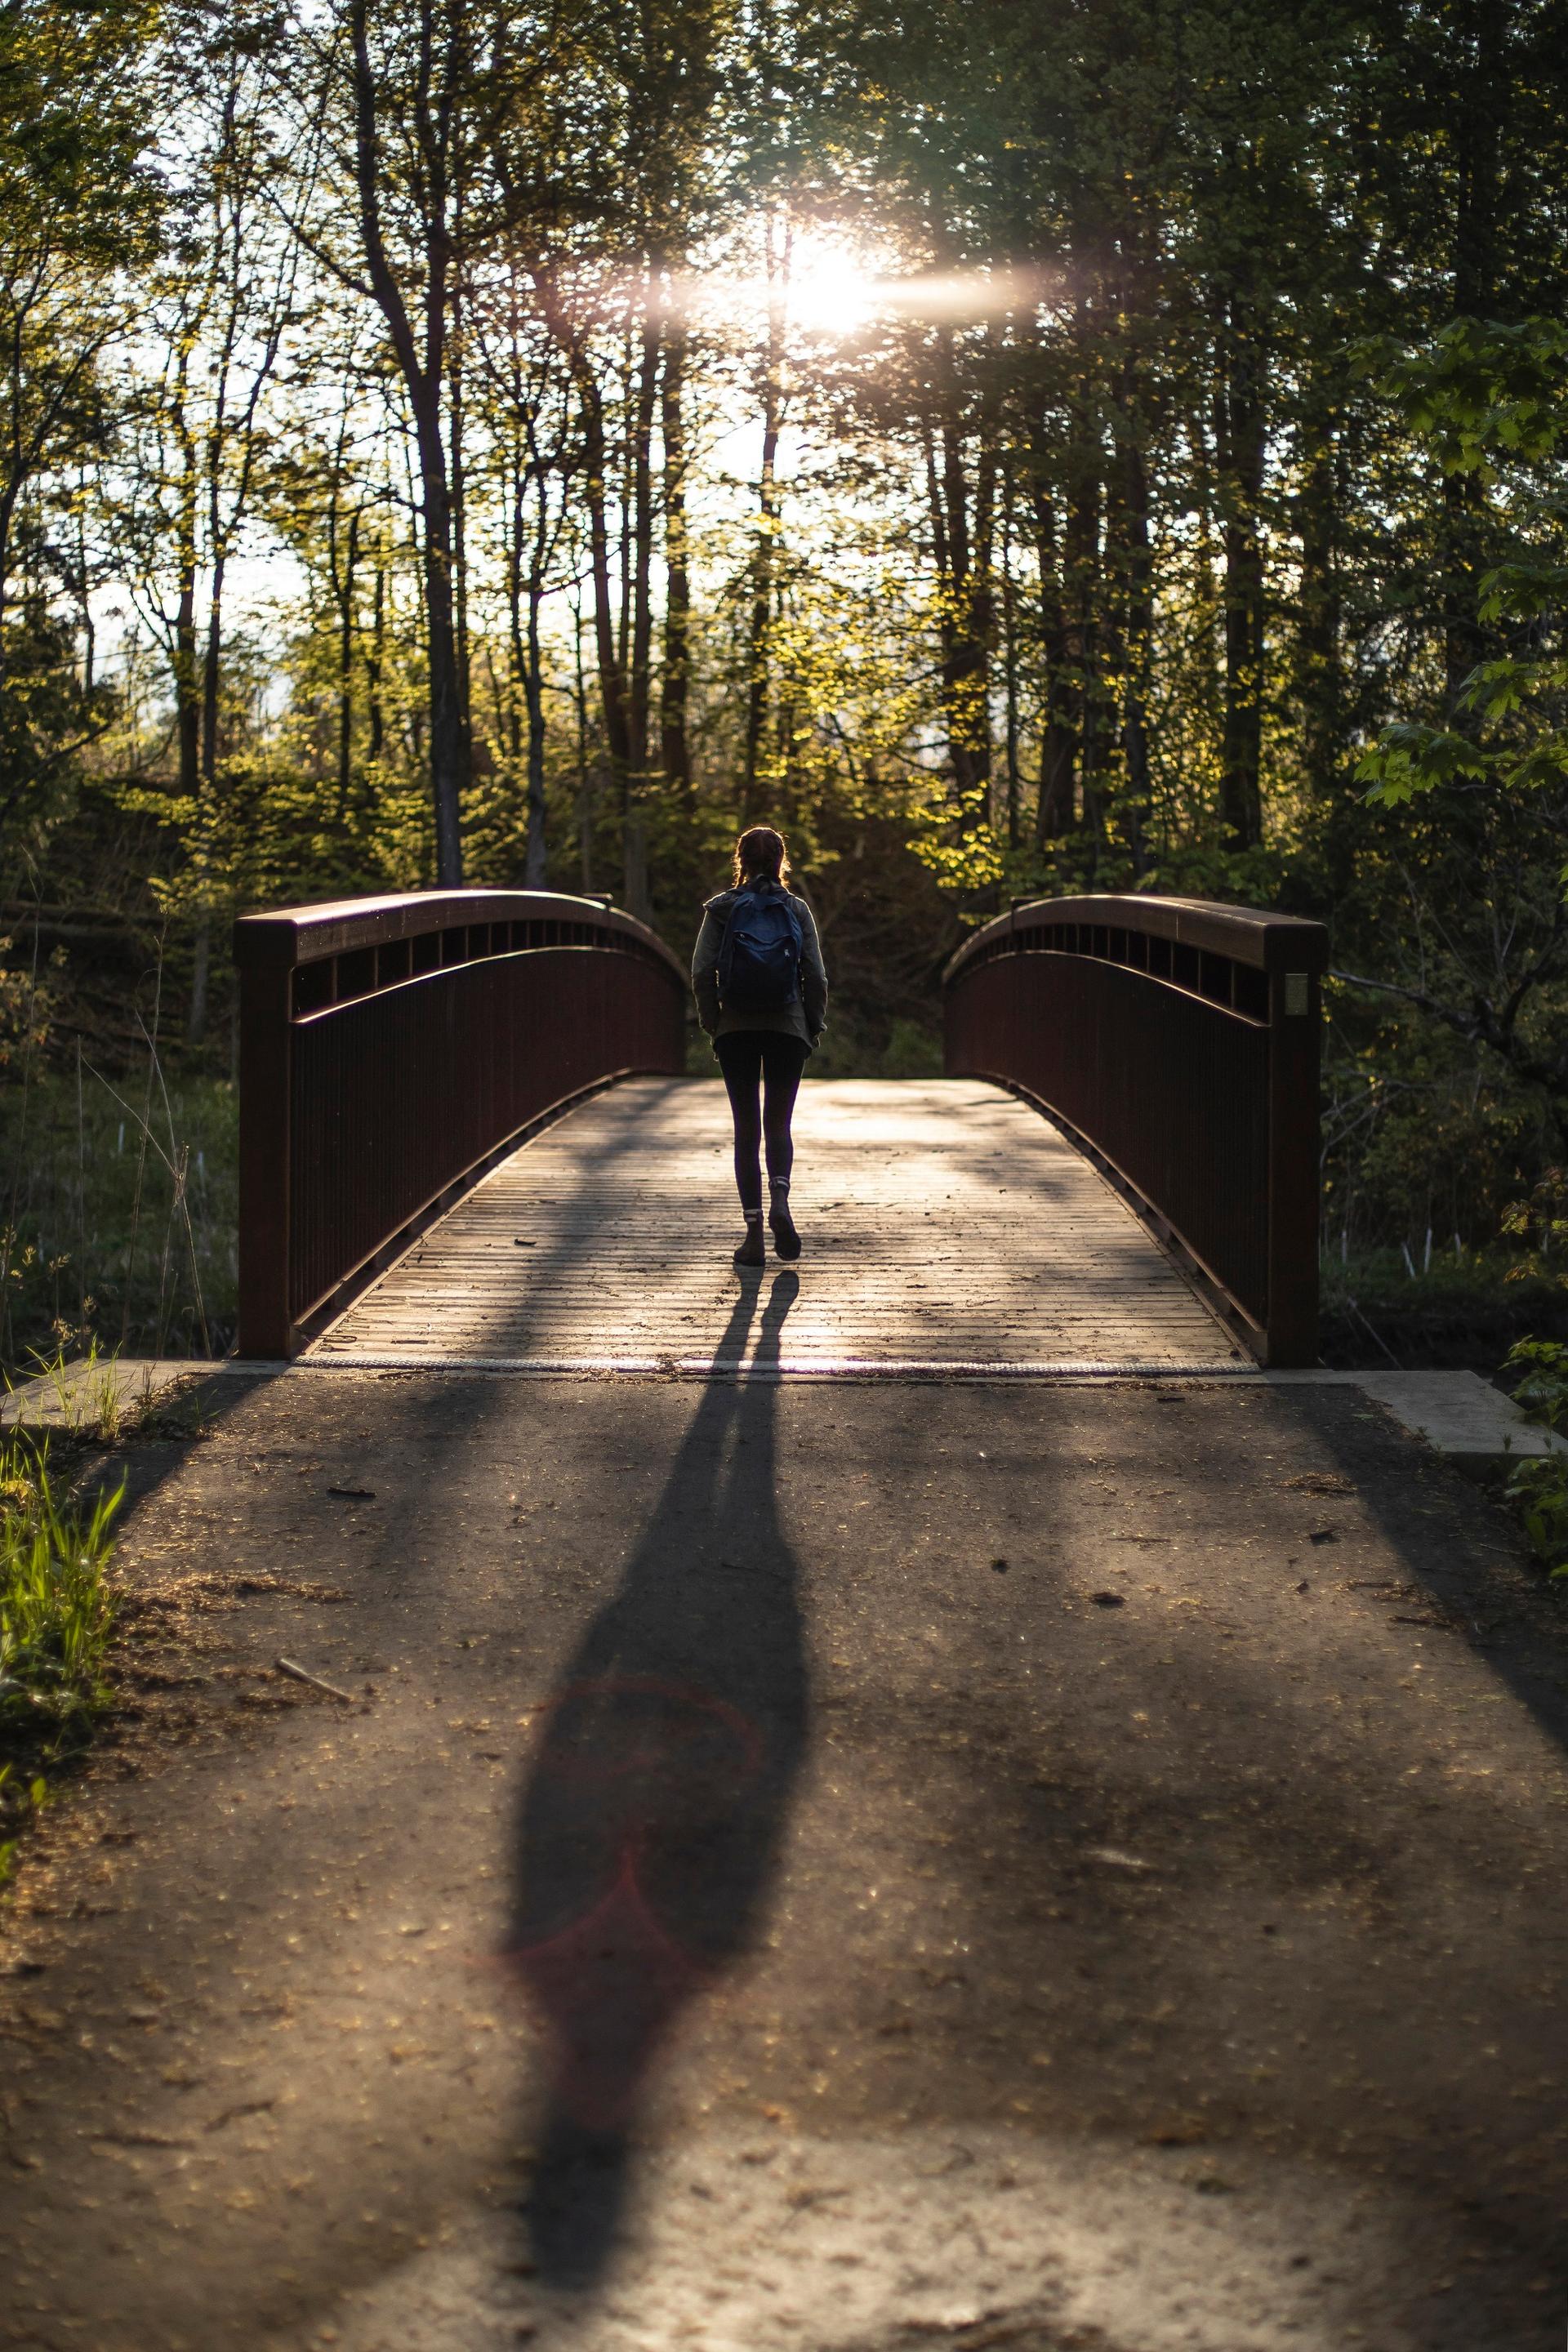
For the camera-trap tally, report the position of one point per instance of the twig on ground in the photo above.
(1375, 1334)
(302, 1674)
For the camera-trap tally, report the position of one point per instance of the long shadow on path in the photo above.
(657, 1792)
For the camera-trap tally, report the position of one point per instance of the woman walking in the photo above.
(761, 996)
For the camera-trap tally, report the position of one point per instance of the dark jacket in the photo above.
(805, 1018)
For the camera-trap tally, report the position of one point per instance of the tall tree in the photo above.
(80, 210)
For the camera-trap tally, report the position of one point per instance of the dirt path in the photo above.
(833, 1866)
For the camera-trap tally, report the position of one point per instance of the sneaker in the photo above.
(786, 1241)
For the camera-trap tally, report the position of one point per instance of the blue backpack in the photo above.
(759, 963)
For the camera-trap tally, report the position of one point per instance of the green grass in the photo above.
(111, 1233)
(908, 1050)
(56, 1617)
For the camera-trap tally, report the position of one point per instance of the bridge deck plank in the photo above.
(944, 1223)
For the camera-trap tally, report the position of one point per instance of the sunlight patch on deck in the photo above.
(947, 1229)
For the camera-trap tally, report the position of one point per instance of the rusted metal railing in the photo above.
(391, 1049)
(1177, 1041)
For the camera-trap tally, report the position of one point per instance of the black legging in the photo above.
(776, 1058)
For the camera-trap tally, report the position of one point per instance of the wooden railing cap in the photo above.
(1253, 935)
(285, 936)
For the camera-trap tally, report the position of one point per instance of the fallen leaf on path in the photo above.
(1183, 2131)
(1115, 1859)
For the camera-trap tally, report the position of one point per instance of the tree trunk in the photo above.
(642, 536)
(962, 556)
(639, 713)
(423, 378)
(759, 647)
(187, 695)
(536, 861)
(625, 495)
(1080, 565)
(590, 402)
(519, 696)
(457, 469)
(345, 669)
(610, 681)
(675, 753)
(1318, 680)
(1483, 92)
(978, 619)
(536, 864)
(1009, 663)
(966, 588)
(584, 778)
(448, 734)
(1059, 739)
(375, 718)
(211, 659)
(187, 700)
(1240, 439)
(1138, 631)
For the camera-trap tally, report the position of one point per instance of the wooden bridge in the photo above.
(467, 1140)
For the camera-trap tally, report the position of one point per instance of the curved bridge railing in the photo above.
(391, 1049)
(1177, 1040)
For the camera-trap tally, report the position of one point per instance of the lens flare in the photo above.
(830, 290)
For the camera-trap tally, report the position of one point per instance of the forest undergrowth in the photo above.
(118, 1220)
(1376, 1315)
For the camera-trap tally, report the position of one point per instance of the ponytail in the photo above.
(761, 855)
